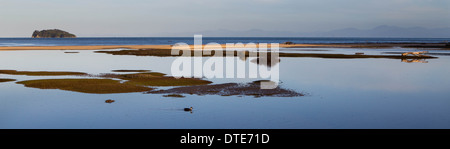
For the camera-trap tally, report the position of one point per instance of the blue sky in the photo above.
(19, 18)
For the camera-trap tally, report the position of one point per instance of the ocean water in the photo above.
(340, 93)
(190, 40)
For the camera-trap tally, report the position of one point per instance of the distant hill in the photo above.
(52, 33)
(386, 31)
(380, 31)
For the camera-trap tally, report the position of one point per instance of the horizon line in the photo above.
(221, 37)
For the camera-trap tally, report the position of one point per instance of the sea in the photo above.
(11, 42)
(366, 93)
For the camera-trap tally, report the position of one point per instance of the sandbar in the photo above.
(349, 45)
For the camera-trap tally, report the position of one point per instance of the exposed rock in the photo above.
(109, 101)
(230, 89)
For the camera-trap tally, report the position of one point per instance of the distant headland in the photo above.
(52, 33)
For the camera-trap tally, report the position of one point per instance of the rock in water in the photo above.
(52, 33)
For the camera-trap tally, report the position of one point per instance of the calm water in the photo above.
(190, 40)
(341, 93)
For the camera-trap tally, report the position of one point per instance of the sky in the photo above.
(137, 18)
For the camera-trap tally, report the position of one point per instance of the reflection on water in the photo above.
(414, 60)
(342, 93)
(267, 61)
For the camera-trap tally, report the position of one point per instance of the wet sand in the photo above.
(86, 47)
(359, 45)
(99, 47)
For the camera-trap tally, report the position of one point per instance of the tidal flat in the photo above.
(94, 86)
(156, 79)
(6, 80)
(146, 81)
(246, 54)
(136, 82)
(125, 70)
(40, 73)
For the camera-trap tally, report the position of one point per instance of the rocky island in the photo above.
(52, 33)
